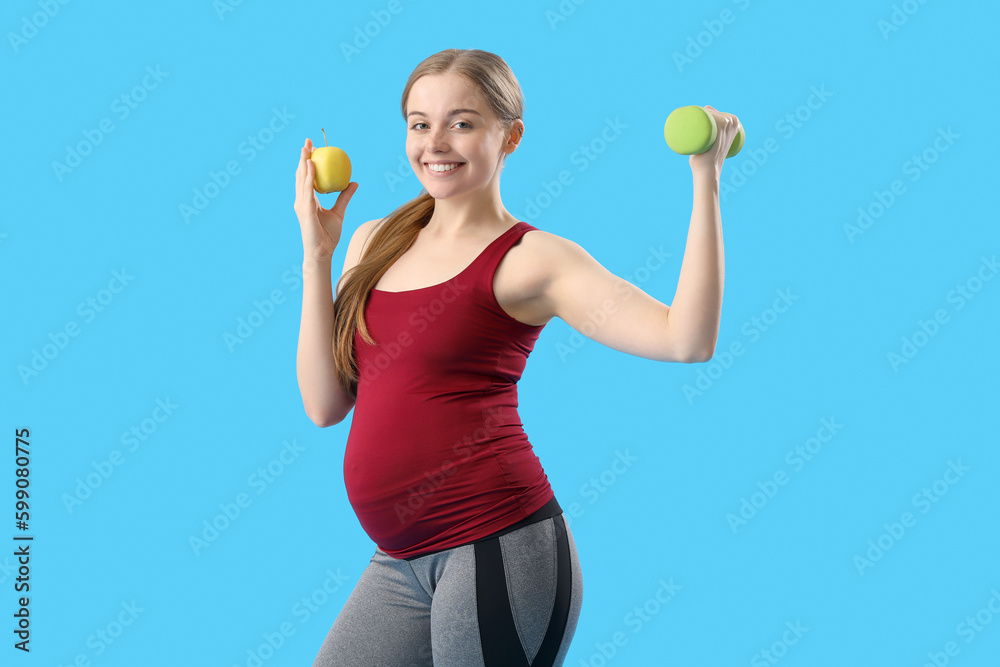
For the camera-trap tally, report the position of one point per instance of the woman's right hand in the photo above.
(321, 227)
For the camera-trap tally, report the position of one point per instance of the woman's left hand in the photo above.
(711, 160)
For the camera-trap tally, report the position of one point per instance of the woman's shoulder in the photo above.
(543, 246)
(358, 244)
(369, 228)
(538, 254)
(366, 232)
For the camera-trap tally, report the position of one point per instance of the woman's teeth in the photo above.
(443, 167)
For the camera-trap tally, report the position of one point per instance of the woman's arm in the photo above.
(325, 400)
(696, 311)
(616, 313)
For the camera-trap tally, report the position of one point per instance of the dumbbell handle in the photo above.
(692, 130)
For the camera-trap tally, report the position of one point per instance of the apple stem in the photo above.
(324, 136)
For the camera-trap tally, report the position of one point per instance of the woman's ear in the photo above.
(517, 132)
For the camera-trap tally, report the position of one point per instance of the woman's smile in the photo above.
(441, 170)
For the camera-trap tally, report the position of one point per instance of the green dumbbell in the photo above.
(692, 130)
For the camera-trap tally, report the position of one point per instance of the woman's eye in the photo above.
(461, 122)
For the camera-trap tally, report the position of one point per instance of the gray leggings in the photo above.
(511, 600)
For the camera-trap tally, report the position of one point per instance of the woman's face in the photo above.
(473, 137)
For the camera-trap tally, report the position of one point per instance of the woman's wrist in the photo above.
(706, 177)
(316, 260)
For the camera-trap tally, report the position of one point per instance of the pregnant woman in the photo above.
(437, 309)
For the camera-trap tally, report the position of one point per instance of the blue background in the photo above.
(789, 200)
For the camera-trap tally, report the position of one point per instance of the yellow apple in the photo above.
(333, 168)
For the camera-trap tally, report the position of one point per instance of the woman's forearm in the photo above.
(323, 397)
(696, 310)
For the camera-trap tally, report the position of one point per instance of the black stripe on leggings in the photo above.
(498, 635)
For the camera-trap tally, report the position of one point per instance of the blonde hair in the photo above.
(495, 80)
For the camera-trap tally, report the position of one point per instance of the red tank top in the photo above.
(437, 456)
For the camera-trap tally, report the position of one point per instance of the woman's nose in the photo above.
(437, 139)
